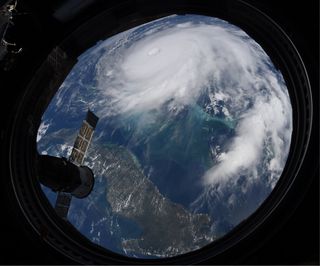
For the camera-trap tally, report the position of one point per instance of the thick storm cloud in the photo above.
(172, 66)
(194, 131)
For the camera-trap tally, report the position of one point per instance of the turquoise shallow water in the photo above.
(173, 150)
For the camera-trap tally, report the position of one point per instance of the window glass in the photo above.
(194, 131)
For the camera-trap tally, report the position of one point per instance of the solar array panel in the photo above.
(78, 153)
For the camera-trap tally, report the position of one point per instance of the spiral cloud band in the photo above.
(172, 66)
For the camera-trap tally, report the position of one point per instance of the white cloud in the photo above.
(42, 130)
(176, 64)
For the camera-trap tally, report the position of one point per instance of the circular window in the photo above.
(194, 131)
(203, 123)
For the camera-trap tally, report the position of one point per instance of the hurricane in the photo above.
(173, 66)
(195, 130)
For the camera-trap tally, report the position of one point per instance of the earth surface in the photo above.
(194, 132)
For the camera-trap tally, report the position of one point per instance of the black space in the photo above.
(296, 241)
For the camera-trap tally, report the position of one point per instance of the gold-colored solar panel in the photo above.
(78, 142)
(83, 129)
(83, 146)
(89, 133)
(77, 156)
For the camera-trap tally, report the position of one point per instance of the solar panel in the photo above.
(62, 204)
(78, 153)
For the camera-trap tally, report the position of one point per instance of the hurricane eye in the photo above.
(194, 131)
